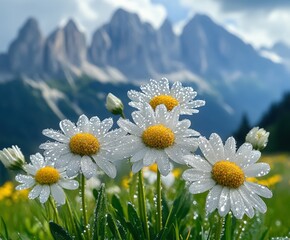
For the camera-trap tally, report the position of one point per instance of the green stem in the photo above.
(219, 228)
(71, 216)
(123, 115)
(240, 230)
(84, 207)
(54, 210)
(142, 205)
(159, 203)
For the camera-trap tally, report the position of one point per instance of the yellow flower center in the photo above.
(158, 136)
(168, 101)
(47, 175)
(228, 174)
(84, 144)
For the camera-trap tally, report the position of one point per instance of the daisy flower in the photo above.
(45, 179)
(83, 147)
(157, 136)
(224, 173)
(159, 92)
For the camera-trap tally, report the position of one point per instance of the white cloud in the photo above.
(258, 26)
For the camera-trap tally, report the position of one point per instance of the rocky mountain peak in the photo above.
(25, 52)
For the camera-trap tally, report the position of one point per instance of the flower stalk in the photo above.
(87, 233)
(142, 205)
(159, 202)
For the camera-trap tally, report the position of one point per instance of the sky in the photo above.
(258, 22)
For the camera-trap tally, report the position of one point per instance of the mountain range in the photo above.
(47, 78)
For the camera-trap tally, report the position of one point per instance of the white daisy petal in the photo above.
(44, 194)
(88, 167)
(139, 119)
(34, 193)
(259, 189)
(192, 175)
(69, 184)
(136, 96)
(138, 155)
(224, 202)
(37, 160)
(164, 165)
(217, 146)
(182, 126)
(257, 170)
(254, 157)
(105, 126)
(201, 186)
(243, 154)
(230, 148)
(175, 153)
(27, 184)
(23, 178)
(83, 123)
(191, 133)
(55, 135)
(254, 199)
(207, 150)
(50, 145)
(63, 161)
(164, 86)
(237, 204)
(107, 167)
(30, 169)
(248, 207)
(68, 128)
(137, 166)
(197, 162)
(129, 127)
(149, 115)
(73, 167)
(58, 194)
(150, 157)
(213, 197)
(161, 112)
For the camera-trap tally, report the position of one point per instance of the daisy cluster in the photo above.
(156, 136)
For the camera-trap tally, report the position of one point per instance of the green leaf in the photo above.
(5, 228)
(58, 232)
(117, 205)
(99, 229)
(113, 227)
(134, 225)
(178, 211)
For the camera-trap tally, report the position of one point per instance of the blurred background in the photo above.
(60, 58)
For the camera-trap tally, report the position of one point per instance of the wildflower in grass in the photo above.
(114, 104)
(6, 190)
(45, 179)
(150, 173)
(269, 182)
(84, 147)
(157, 136)
(225, 173)
(12, 158)
(258, 137)
(159, 92)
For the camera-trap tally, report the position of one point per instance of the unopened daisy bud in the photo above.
(258, 137)
(114, 104)
(12, 158)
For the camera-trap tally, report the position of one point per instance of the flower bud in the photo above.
(258, 137)
(12, 158)
(114, 104)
